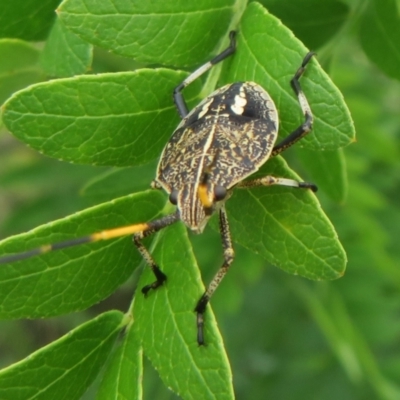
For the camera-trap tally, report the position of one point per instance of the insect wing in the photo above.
(234, 129)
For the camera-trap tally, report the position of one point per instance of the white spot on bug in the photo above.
(205, 109)
(240, 101)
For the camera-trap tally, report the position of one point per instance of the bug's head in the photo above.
(197, 198)
(196, 203)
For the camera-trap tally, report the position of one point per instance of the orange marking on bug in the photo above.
(117, 232)
(204, 196)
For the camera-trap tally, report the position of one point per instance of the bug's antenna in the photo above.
(94, 237)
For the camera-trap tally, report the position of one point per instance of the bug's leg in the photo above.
(229, 255)
(306, 126)
(153, 227)
(178, 97)
(272, 180)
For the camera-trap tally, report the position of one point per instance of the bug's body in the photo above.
(223, 140)
(234, 130)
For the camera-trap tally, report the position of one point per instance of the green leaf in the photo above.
(65, 368)
(178, 33)
(126, 119)
(19, 67)
(75, 278)
(287, 227)
(27, 19)
(120, 182)
(166, 325)
(328, 170)
(380, 35)
(71, 119)
(65, 54)
(269, 54)
(116, 119)
(35, 181)
(122, 378)
(314, 22)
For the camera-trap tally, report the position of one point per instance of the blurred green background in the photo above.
(288, 338)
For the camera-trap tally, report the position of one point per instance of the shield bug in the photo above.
(222, 141)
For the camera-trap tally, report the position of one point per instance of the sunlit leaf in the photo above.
(122, 378)
(166, 325)
(73, 279)
(109, 119)
(178, 33)
(65, 368)
(287, 227)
